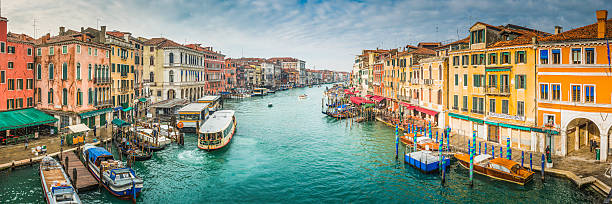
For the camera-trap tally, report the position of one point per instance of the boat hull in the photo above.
(493, 173)
(225, 142)
(426, 166)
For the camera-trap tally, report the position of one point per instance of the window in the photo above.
(520, 108)
(30, 102)
(456, 61)
(171, 58)
(29, 51)
(171, 75)
(556, 92)
(65, 49)
(2, 47)
(520, 57)
(576, 55)
(89, 51)
(151, 76)
(465, 60)
(492, 105)
(51, 71)
(39, 51)
(589, 57)
(520, 81)
(51, 50)
(477, 36)
(38, 71)
(474, 104)
(11, 84)
(78, 49)
(474, 59)
(78, 71)
(11, 65)
(159, 93)
(29, 83)
(576, 93)
(455, 102)
(65, 96)
(10, 103)
(2, 77)
(543, 56)
(478, 80)
(544, 91)
(20, 84)
(50, 96)
(505, 106)
(95, 52)
(556, 56)
(505, 58)
(89, 96)
(30, 65)
(79, 98)
(465, 80)
(89, 72)
(465, 103)
(39, 93)
(589, 93)
(493, 58)
(151, 61)
(65, 71)
(440, 77)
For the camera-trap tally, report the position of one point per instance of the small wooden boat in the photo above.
(112, 174)
(497, 168)
(134, 152)
(425, 161)
(269, 105)
(304, 96)
(217, 131)
(55, 183)
(423, 143)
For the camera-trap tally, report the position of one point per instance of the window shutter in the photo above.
(516, 81)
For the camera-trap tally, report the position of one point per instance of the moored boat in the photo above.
(55, 183)
(425, 161)
(112, 174)
(423, 143)
(150, 140)
(217, 131)
(497, 168)
(260, 92)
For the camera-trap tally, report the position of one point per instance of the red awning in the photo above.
(408, 106)
(369, 96)
(377, 98)
(426, 111)
(346, 91)
(359, 100)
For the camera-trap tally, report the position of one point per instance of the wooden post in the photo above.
(66, 166)
(74, 180)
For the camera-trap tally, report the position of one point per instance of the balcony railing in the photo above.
(506, 116)
(464, 109)
(501, 90)
(414, 81)
(103, 103)
(102, 80)
(428, 81)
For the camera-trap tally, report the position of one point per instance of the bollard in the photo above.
(522, 158)
(66, 164)
(74, 180)
(13, 165)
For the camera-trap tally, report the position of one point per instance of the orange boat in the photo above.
(423, 143)
(497, 168)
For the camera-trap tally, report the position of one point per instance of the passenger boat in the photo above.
(112, 174)
(497, 168)
(55, 183)
(269, 105)
(191, 115)
(423, 143)
(259, 92)
(217, 131)
(148, 139)
(425, 161)
(213, 102)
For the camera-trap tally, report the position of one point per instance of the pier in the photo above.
(83, 180)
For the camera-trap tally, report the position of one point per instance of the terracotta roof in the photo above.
(524, 38)
(487, 25)
(21, 38)
(283, 59)
(411, 46)
(582, 33)
(115, 33)
(429, 43)
(155, 41)
(423, 51)
(162, 43)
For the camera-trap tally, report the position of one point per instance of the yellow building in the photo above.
(122, 68)
(492, 84)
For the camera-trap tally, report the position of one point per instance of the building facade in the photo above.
(16, 69)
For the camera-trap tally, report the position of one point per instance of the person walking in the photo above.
(26, 144)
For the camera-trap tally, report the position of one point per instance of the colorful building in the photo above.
(16, 69)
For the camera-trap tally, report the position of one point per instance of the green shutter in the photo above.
(516, 81)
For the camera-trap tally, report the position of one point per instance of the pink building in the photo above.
(213, 65)
(16, 69)
(66, 68)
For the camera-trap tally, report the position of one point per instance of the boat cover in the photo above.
(425, 157)
(96, 152)
(481, 158)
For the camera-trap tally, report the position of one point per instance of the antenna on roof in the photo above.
(97, 23)
(34, 25)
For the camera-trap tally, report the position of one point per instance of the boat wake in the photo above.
(193, 156)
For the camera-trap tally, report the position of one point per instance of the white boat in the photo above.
(147, 135)
(114, 176)
(213, 102)
(260, 92)
(55, 183)
(217, 131)
(191, 115)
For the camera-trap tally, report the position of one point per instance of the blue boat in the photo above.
(425, 161)
(114, 176)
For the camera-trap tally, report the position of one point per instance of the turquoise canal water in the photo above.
(291, 153)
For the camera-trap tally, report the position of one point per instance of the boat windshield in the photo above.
(189, 117)
(63, 194)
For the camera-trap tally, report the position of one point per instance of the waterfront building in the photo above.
(410, 88)
(214, 62)
(16, 69)
(267, 74)
(573, 91)
(172, 70)
(295, 64)
(492, 84)
(73, 78)
(434, 98)
(230, 75)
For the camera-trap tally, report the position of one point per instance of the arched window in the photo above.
(50, 96)
(151, 77)
(78, 71)
(65, 96)
(38, 72)
(171, 58)
(89, 96)
(39, 95)
(51, 71)
(430, 74)
(151, 61)
(79, 97)
(65, 71)
(440, 97)
(171, 74)
(440, 72)
(89, 72)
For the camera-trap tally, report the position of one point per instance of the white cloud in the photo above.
(324, 33)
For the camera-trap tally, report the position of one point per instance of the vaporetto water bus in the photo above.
(217, 131)
(213, 102)
(260, 92)
(191, 115)
(55, 183)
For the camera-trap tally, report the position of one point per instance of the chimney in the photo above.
(558, 29)
(45, 38)
(82, 30)
(127, 36)
(62, 30)
(602, 17)
(102, 36)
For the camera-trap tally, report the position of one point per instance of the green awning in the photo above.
(125, 105)
(95, 112)
(127, 109)
(368, 105)
(142, 100)
(491, 123)
(497, 70)
(24, 118)
(120, 123)
(463, 117)
(554, 132)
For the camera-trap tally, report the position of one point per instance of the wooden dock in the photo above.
(84, 180)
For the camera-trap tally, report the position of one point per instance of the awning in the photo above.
(78, 128)
(127, 109)
(142, 100)
(408, 106)
(426, 111)
(118, 108)
(360, 100)
(349, 92)
(476, 120)
(497, 69)
(120, 123)
(24, 118)
(377, 98)
(95, 112)
(368, 96)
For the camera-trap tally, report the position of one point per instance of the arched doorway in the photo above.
(581, 132)
(171, 94)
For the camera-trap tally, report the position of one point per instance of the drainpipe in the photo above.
(535, 85)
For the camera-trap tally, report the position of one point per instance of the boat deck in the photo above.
(84, 181)
(53, 175)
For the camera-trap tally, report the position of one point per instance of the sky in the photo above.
(326, 34)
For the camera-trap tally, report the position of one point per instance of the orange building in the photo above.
(574, 92)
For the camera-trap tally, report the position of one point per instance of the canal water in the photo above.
(291, 153)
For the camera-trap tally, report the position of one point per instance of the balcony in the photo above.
(502, 90)
(102, 80)
(103, 103)
(428, 81)
(414, 81)
(506, 116)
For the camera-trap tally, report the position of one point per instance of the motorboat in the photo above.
(497, 168)
(56, 186)
(120, 181)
